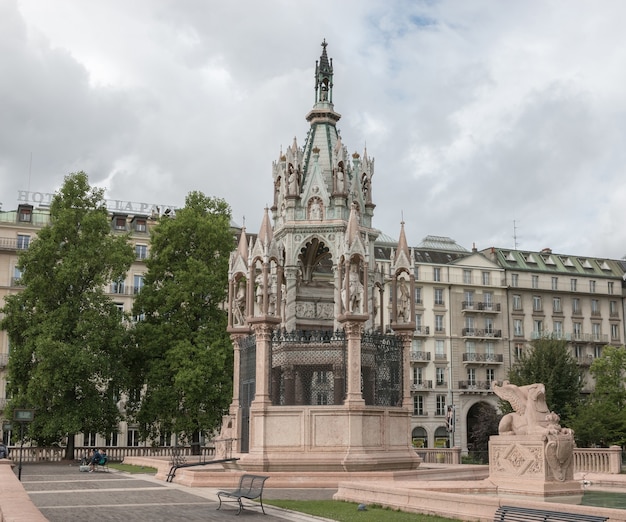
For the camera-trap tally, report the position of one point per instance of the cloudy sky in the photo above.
(491, 122)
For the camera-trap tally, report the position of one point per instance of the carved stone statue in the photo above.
(355, 288)
(531, 415)
(239, 304)
(403, 302)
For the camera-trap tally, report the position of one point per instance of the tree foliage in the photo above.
(184, 355)
(549, 362)
(602, 418)
(67, 336)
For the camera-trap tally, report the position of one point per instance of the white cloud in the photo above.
(477, 113)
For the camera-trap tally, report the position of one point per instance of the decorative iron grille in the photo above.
(308, 367)
(381, 369)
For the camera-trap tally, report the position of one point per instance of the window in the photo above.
(490, 351)
(555, 283)
(613, 309)
(576, 305)
(610, 287)
(440, 405)
(469, 323)
(25, 214)
(439, 324)
(23, 241)
(418, 405)
(436, 274)
(440, 349)
(469, 299)
(535, 281)
(518, 350)
(119, 223)
(537, 328)
(440, 376)
(120, 307)
(614, 332)
(467, 277)
(486, 278)
(573, 284)
(597, 351)
(111, 439)
(138, 282)
(89, 439)
(132, 437)
(470, 348)
(537, 306)
(418, 295)
(17, 275)
(489, 329)
(471, 376)
(557, 329)
(595, 307)
(117, 287)
(140, 225)
(165, 439)
(141, 251)
(417, 375)
(578, 330)
(518, 328)
(418, 322)
(556, 305)
(488, 300)
(592, 286)
(514, 279)
(579, 350)
(439, 296)
(596, 331)
(517, 302)
(490, 375)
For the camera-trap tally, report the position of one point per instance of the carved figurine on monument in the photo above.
(532, 454)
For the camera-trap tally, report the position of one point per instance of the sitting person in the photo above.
(4, 451)
(95, 459)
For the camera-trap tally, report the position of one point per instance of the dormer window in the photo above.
(119, 222)
(25, 213)
(140, 225)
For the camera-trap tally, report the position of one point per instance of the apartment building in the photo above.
(17, 229)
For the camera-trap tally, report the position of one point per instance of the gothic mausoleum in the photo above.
(318, 383)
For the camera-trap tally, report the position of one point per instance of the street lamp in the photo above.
(23, 417)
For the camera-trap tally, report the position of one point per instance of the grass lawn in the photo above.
(348, 512)
(131, 468)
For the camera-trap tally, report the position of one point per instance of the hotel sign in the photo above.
(44, 199)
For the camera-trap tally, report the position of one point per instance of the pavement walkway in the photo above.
(64, 494)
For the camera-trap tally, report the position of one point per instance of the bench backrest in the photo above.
(521, 514)
(251, 485)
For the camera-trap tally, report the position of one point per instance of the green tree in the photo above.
(601, 420)
(66, 335)
(184, 355)
(549, 362)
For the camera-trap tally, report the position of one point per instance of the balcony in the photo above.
(471, 306)
(418, 356)
(474, 385)
(585, 360)
(422, 330)
(484, 333)
(441, 357)
(424, 385)
(441, 384)
(13, 244)
(483, 358)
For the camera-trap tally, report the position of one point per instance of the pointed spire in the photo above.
(324, 78)
(402, 243)
(242, 248)
(265, 233)
(352, 232)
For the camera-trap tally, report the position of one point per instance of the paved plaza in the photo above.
(63, 494)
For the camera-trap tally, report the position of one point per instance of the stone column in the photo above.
(354, 329)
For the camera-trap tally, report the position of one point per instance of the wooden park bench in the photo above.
(521, 514)
(250, 487)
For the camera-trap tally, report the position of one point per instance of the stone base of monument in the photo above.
(538, 466)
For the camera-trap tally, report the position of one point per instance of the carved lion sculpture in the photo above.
(531, 415)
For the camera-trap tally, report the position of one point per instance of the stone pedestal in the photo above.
(539, 466)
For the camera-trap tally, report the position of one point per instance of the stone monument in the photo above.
(533, 454)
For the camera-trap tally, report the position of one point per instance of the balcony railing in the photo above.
(474, 385)
(481, 332)
(418, 356)
(483, 357)
(441, 357)
(481, 306)
(422, 330)
(424, 385)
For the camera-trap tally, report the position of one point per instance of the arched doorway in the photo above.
(482, 422)
(419, 437)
